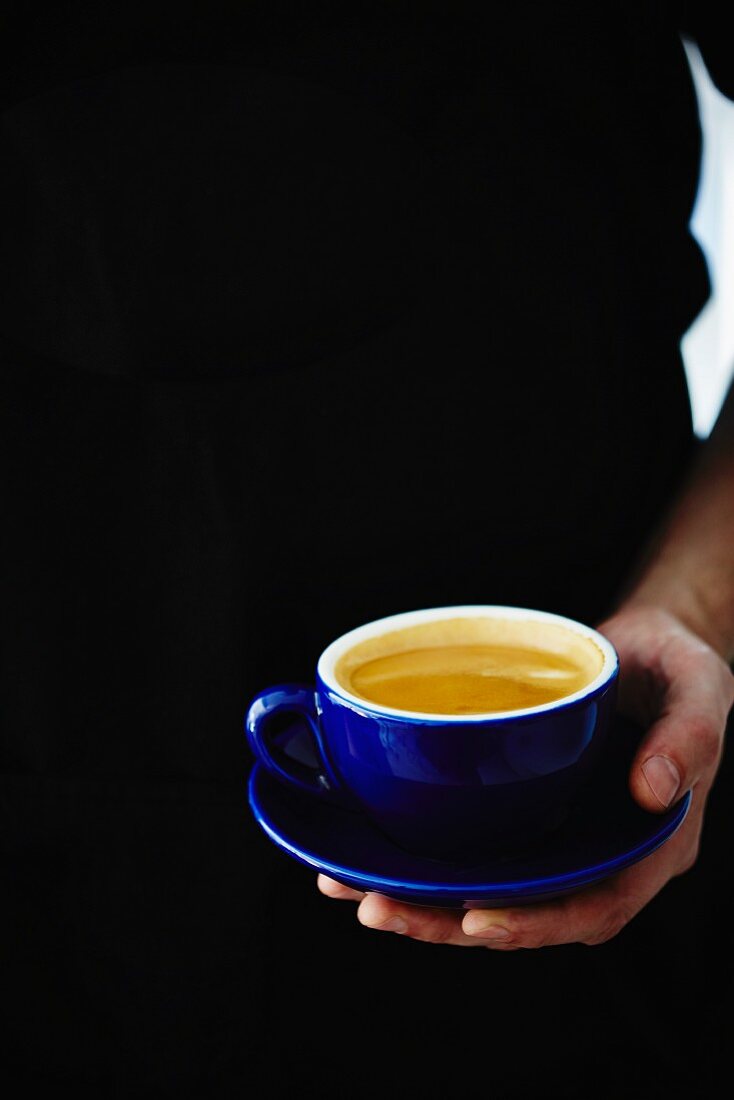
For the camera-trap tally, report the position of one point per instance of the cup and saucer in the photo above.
(340, 785)
(603, 833)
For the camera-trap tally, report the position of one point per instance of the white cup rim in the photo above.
(329, 657)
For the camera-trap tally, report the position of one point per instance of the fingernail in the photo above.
(395, 924)
(662, 778)
(485, 929)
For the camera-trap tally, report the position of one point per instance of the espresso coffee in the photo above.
(470, 666)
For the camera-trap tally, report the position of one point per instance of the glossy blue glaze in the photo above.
(604, 832)
(289, 699)
(447, 788)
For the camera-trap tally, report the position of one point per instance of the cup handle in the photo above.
(289, 699)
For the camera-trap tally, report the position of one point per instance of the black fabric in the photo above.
(309, 315)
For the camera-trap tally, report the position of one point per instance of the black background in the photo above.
(312, 315)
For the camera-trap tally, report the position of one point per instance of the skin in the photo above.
(673, 628)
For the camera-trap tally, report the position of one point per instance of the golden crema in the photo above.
(470, 666)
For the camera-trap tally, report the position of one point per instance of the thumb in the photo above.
(685, 743)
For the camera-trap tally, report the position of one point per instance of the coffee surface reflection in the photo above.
(470, 666)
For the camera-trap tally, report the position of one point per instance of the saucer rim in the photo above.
(674, 818)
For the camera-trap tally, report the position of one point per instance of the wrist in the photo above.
(696, 603)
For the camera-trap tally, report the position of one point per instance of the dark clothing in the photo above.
(311, 315)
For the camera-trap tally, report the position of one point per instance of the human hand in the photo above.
(681, 690)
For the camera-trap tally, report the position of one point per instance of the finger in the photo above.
(416, 921)
(684, 744)
(333, 889)
(594, 915)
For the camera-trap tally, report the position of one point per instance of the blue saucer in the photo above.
(604, 832)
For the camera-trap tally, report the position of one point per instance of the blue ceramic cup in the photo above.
(451, 786)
